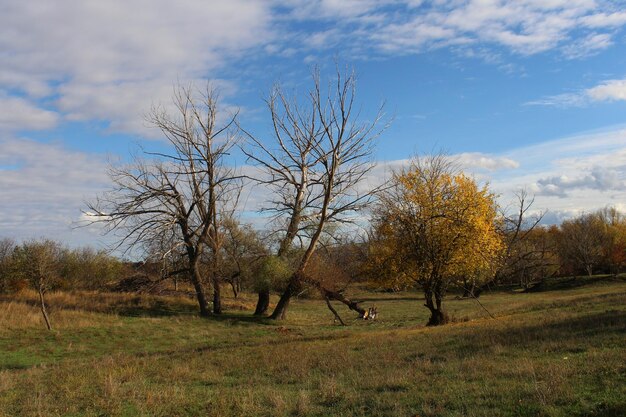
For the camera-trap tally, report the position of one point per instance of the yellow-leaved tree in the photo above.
(435, 227)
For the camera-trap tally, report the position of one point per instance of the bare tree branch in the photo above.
(178, 198)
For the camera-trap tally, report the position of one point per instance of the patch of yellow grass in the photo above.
(20, 315)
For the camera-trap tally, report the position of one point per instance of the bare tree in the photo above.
(527, 253)
(243, 250)
(289, 168)
(581, 241)
(170, 258)
(183, 194)
(321, 156)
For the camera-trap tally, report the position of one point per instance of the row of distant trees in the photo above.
(45, 265)
(592, 243)
(505, 249)
(428, 233)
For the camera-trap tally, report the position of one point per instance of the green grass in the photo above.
(560, 352)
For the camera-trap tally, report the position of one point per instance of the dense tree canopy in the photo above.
(435, 227)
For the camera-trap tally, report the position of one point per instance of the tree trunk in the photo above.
(201, 296)
(477, 291)
(468, 289)
(337, 296)
(471, 290)
(437, 315)
(263, 302)
(217, 296)
(196, 280)
(43, 309)
(437, 318)
(280, 312)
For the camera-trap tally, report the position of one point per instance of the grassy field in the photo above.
(559, 352)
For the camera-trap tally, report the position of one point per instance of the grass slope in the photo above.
(555, 353)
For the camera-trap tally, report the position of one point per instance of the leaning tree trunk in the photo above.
(295, 285)
(43, 308)
(263, 302)
(337, 296)
(196, 280)
(280, 311)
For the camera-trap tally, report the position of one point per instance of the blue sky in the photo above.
(526, 93)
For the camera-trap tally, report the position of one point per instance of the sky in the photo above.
(527, 94)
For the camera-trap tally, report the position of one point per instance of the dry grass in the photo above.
(560, 353)
(16, 315)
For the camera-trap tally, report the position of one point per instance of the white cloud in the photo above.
(589, 45)
(43, 188)
(561, 100)
(610, 90)
(600, 20)
(522, 26)
(18, 113)
(598, 178)
(589, 170)
(110, 60)
(479, 161)
(332, 9)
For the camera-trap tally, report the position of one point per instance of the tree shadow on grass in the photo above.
(157, 308)
(389, 299)
(585, 330)
(285, 339)
(247, 317)
(572, 283)
(603, 410)
(15, 367)
(138, 307)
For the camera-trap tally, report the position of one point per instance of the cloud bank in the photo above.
(107, 61)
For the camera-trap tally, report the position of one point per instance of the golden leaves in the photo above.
(436, 224)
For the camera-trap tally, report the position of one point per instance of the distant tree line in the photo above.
(513, 250)
(48, 264)
(591, 243)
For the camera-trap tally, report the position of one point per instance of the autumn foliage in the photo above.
(435, 227)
